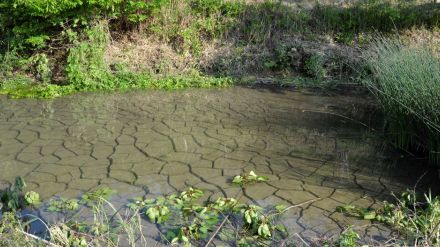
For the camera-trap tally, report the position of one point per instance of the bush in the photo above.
(314, 66)
(86, 68)
(29, 24)
(406, 80)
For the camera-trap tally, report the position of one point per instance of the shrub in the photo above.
(314, 66)
(86, 68)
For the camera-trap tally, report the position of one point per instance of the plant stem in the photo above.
(216, 231)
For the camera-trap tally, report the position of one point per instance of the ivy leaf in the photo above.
(175, 241)
(262, 179)
(185, 239)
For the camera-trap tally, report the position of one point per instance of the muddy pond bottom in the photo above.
(158, 142)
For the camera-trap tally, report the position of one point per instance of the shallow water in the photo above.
(159, 142)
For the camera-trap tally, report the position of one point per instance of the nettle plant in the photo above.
(182, 220)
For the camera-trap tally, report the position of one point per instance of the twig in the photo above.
(298, 205)
(39, 239)
(302, 240)
(342, 116)
(216, 231)
(303, 203)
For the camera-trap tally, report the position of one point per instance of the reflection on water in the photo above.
(161, 142)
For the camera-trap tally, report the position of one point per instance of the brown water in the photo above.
(160, 142)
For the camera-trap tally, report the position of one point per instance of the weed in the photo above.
(41, 67)
(14, 198)
(314, 66)
(179, 217)
(348, 238)
(64, 42)
(418, 219)
(85, 64)
(250, 178)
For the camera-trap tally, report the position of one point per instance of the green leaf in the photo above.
(237, 180)
(185, 239)
(19, 184)
(371, 215)
(282, 230)
(280, 208)
(32, 198)
(248, 217)
(252, 174)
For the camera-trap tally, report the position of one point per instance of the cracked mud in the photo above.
(162, 142)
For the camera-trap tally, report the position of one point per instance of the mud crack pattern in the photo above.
(162, 142)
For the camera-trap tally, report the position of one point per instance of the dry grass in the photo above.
(140, 54)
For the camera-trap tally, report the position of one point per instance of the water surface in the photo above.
(160, 142)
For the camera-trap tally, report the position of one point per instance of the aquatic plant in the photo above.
(348, 238)
(246, 179)
(193, 222)
(416, 218)
(180, 218)
(406, 81)
(107, 226)
(14, 198)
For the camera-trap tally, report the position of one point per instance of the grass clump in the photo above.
(406, 81)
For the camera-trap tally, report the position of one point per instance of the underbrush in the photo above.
(57, 44)
(86, 70)
(406, 81)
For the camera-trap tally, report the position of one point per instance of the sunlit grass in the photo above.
(406, 80)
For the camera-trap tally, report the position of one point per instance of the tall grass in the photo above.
(406, 80)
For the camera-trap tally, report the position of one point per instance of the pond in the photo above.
(158, 142)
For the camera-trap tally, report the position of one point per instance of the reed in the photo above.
(406, 81)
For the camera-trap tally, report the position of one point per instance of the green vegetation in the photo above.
(53, 48)
(406, 80)
(246, 179)
(13, 198)
(179, 217)
(182, 219)
(418, 219)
